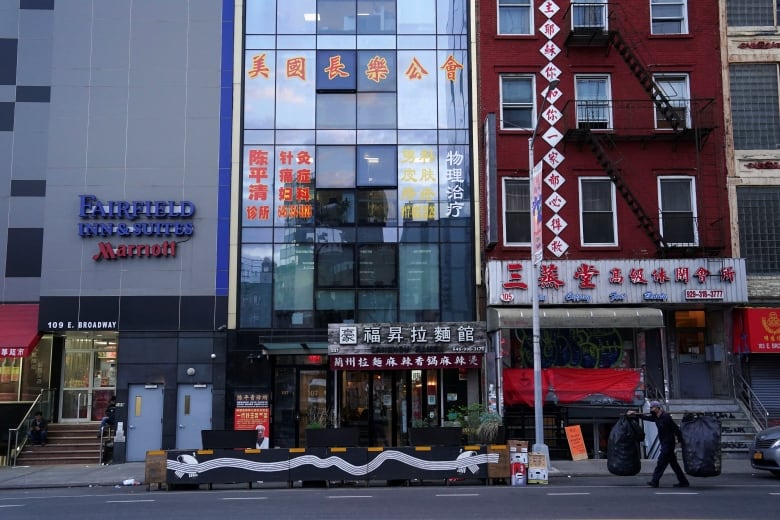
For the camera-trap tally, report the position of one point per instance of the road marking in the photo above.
(565, 494)
(676, 493)
(457, 494)
(244, 498)
(128, 501)
(351, 496)
(12, 505)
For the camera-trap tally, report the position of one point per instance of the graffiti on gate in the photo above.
(570, 348)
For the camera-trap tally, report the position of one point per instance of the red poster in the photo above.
(253, 413)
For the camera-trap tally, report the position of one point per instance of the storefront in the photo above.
(25, 354)
(757, 344)
(636, 328)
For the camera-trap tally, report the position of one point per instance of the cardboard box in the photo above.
(500, 470)
(537, 468)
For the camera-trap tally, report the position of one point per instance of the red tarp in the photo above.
(570, 385)
(18, 329)
(757, 331)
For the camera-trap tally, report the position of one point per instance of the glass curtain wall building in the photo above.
(356, 170)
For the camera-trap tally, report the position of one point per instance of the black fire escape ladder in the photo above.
(614, 174)
(669, 112)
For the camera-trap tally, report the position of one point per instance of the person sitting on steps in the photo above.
(109, 416)
(38, 430)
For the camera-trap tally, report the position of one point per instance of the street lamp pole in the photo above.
(535, 190)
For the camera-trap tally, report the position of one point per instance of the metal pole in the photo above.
(536, 259)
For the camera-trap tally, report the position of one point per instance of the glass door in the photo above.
(88, 378)
(312, 402)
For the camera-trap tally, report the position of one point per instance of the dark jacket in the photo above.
(110, 413)
(38, 425)
(668, 430)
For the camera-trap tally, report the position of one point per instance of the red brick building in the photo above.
(636, 270)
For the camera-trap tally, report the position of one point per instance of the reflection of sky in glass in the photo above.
(295, 16)
(247, 182)
(416, 16)
(336, 110)
(260, 16)
(335, 167)
(453, 95)
(295, 95)
(417, 97)
(259, 92)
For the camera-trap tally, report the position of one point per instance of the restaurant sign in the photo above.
(425, 338)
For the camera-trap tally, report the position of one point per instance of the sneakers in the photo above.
(652, 484)
(682, 484)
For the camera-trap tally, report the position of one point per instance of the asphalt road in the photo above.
(732, 497)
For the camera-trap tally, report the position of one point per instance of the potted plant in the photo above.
(321, 433)
(491, 428)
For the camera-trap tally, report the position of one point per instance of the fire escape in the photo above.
(601, 125)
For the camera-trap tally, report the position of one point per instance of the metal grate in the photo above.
(754, 106)
(759, 228)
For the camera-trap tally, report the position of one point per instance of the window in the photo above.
(669, 16)
(378, 265)
(593, 102)
(754, 106)
(598, 220)
(514, 17)
(678, 211)
(517, 102)
(335, 265)
(589, 15)
(751, 13)
(377, 207)
(675, 88)
(517, 213)
(759, 228)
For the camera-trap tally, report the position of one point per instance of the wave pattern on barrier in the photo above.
(460, 464)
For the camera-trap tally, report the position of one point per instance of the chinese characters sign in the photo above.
(620, 281)
(408, 339)
(404, 361)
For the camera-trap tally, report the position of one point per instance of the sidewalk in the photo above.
(32, 477)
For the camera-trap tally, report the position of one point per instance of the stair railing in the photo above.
(745, 394)
(17, 437)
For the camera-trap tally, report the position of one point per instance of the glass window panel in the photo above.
(295, 16)
(457, 272)
(418, 182)
(259, 99)
(336, 111)
(517, 214)
(377, 208)
(669, 16)
(597, 215)
(750, 13)
(678, 215)
(256, 285)
(336, 17)
(517, 102)
(335, 265)
(295, 96)
(416, 16)
(260, 16)
(514, 16)
(376, 306)
(377, 166)
(454, 183)
(417, 89)
(335, 307)
(294, 179)
(376, 17)
(377, 71)
(335, 208)
(759, 228)
(335, 167)
(377, 265)
(336, 70)
(293, 277)
(454, 93)
(376, 110)
(419, 277)
(754, 106)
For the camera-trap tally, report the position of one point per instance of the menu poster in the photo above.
(253, 413)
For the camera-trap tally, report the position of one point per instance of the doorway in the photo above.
(88, 376)
(144, 421)
(193, 414)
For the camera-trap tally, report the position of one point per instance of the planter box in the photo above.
(436, 436)
(330, 437)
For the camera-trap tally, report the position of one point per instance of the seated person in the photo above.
(38, 430)
(109, 416)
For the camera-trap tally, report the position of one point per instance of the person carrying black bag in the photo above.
(668, 432)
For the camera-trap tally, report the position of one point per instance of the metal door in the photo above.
(193, 414)
(144, 421)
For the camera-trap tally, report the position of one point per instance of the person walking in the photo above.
(668, 432)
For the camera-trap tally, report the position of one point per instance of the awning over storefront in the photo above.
(579, 317)
(293, 348)
(757, 330)
(18, 329)
(571, 385)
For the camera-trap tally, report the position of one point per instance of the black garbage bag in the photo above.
(701, 448)
(623, 453)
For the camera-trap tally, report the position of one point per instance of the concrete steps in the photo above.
(67, 444)
(736, 427)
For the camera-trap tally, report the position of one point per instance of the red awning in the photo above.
(571, 385)
(757, 330)
(18, 329)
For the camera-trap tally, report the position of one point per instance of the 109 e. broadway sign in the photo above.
(131, 219)
(399, 346)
